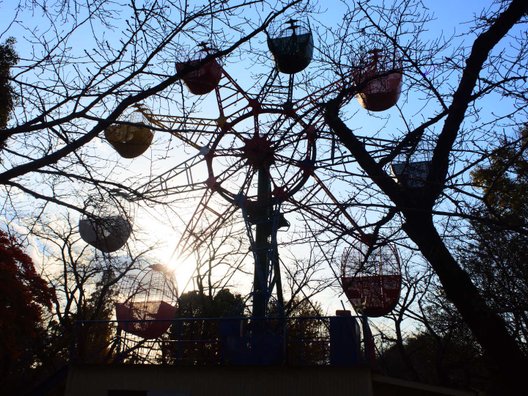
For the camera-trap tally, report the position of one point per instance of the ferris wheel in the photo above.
(262, 150)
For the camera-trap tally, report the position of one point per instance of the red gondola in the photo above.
(150, 305)
(201, 77)
(371, 278)
(379, 81)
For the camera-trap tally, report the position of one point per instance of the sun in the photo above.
(160, 238)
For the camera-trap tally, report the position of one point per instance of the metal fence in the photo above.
(300, 341)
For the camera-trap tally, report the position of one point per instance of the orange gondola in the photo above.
(130, 138)
(379, 81)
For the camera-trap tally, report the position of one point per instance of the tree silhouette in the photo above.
(496, 258)
(418, 208)
(24, 300)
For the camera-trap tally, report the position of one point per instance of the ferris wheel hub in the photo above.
(280, 193)
(259, 152)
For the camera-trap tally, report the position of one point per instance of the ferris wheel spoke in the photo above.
(289, 134)
(319, 189)
(277, 131)
(229, 170)
(242, 190)
(234, 135)
(284, 186)
(229, 137)
(232, 175)
(320, 95)
(201, 224)
(247, 183)
(320, 217)
(271, 84)
(193, 131)
(297, 150)
(292, 143)
(285, 165)
(161, 184)
(300, 156)
(295, 132)
(232, 99)
(280, 184)
(229, 152)
(235, 86)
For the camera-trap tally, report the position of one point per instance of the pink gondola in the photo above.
(149, 305)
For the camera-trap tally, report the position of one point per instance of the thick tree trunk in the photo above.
(488, 327)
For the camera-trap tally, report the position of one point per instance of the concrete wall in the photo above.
(386, 386)
(144, 380)
(208, 381)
